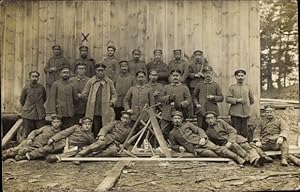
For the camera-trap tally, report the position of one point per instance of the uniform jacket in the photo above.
(123, 83)
(32, 99)
(108, 94)
(162, 70)
(157, 87)
(237, 91)
(193, 69)
(202, 90)
(112, 67)
(179, 64)
(77, 136)
(55, 61)
(115, 131)
(63, 96)
(186, 134)
(41, 136)
(222, 132)
(89, 63)
(137, 66)
(136, 98)
(79, 84)
(182, 100)
(270, 129)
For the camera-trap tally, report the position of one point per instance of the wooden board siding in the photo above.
(227, 32)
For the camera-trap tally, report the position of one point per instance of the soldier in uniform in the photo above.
(32, 99)
(89, 62)
(157, 88)
(111, 63)
(223, 134)
(52, 69)
(175, 97)
(77, 136)
(180, 64)
(79, 82)
(36, 139)
(206, 95)
(185, 136)
(123, 82)
(109, 137)
(136, 64)
(63, 97)
(158, 65)
(240, 97)
(271, 134)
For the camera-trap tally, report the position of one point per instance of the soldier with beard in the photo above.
(158, 65)
(89, 62)
(136, 64)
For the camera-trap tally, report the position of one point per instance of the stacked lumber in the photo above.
(280, 103)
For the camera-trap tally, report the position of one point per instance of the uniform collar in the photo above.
(141, 86)
(33, 85)
(208, 82)
(177, 84)
(80, 78)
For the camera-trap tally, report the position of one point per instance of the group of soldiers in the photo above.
(92, 107)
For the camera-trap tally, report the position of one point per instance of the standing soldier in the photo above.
(136, 64)
(157, 88)
(51, 69)
(240, 97)
(102, 96)
(158, 65)
(111, 63)
(79, 82)
(123, 82)
(138, 96)
(180, 64)
(63, 96)
(89, 62)
(206, 96)
(32, 99)
(175, 97)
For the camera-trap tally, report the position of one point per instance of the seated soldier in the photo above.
(36, 139)
(78, 136)
(223, 134)
(109, 136)
(186, 136)
(271, 134)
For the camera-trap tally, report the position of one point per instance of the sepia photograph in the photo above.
(149, 95)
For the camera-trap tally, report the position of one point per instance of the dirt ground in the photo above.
(40, 176)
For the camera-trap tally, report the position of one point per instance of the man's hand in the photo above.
(197, 75)
(200, 74)
(202, 141)
(240, 100)
(198, 105)
(258, 144)
(29, 142)
(279, 140)
(228, 144)
(181, 149)
(130, 111)
(111, 104)
(79, 95)
(155, 93)
(172, 103)
(50, 141)
(101, 137)
(210, 97)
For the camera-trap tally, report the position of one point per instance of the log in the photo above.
(158, 134)
(11, 132)
(112, 176)
(279, 100)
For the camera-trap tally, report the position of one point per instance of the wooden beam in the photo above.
(279, 100)
(11, 132)
(292, 150)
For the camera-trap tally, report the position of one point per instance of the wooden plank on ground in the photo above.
(292, 150)
(11, 132)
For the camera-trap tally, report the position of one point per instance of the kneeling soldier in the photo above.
(223, 134)
(109, 136)
(36, 139)
(188, 137)
(78, 136)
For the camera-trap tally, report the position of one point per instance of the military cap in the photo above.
(198, 51)
(83, 47)
(269, 107)
(157, 50)
(82, 64)
(56, 47)
(34, 72)
(207, 68)
(177, 113)
(210, 113)
(176, 70)
(140, 71)
(239, 71)
(100, 65)
(177, 50)
(64, 67)
(84, 119)
(55, 116)
(152, 70)
(111, 46)
(129, 113)
(136, 50)
(123, 61)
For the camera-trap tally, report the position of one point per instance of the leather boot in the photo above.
(229, 154)
(284, 162)
(267, 159)
(84, 152)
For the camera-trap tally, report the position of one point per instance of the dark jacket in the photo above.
(123, 83)
(182, 65)
(41, 136)
(136, 66)
(162, 70)
(55, 61)
(112, 67)
(89, 66)
(115, 131)
(193, 69)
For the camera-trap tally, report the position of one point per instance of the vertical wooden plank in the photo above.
(159, 26)
(35, 35)
(170, 32)
(150, 37)
(50, 36)
(133, 17)
(254, 54)
(69, 31)
(97, 36)
(106, 26)
(121, 28)
(2, 55)
(141, 27)
(42, 59)
(180, 29)
(196, 11)
(116, 23)
(93, 8)
(59, 24)
(79, 25)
